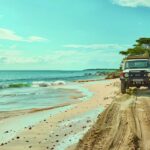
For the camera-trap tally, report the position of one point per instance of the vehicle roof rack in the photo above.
(143, 56)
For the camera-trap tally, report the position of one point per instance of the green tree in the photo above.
(142, 46)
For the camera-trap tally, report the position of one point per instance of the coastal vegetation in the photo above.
(113, 75)
(142, 46)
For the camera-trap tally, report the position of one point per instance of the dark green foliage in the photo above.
(142, 46)
(143, 41)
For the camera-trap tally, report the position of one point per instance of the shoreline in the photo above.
(74, 90)
(92, 106)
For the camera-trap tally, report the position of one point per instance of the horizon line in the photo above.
(58, 69)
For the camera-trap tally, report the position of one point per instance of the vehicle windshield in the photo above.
(137, 64)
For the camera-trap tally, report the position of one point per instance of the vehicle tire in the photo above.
(127, 86)
(123, 87)
(138, 86)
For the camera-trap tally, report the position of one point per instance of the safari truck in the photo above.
(136, 72)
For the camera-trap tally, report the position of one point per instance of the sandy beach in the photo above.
(124, 125)
(75, 75)
(56, 128)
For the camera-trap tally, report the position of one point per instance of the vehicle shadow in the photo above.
(143, 92)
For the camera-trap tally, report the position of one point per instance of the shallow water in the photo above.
(30, 87)
(37, 89)
(35, 97)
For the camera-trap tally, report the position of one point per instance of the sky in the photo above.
(69, 34)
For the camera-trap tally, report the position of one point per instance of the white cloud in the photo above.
(36, 39)
(73, 57)
(61, 59)
(11, 57)
(97, 46)
(133, 3)
(6, 34)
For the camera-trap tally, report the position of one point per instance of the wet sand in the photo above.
(62, 128)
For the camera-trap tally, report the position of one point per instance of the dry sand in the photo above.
(124, 125)
(64, 128)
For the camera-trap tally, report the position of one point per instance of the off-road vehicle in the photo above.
(136, 72)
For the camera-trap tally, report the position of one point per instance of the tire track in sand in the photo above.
(124, 125)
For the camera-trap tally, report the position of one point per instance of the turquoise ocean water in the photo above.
(36, 89)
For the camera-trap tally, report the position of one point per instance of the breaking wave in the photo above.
(46, 84)
(33, 84)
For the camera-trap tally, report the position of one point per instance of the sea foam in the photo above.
(47, 84)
